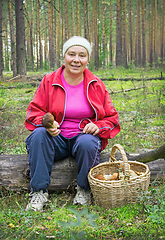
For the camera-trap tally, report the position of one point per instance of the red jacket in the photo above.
(50, 97)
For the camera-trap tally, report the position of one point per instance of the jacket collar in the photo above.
(88, 76)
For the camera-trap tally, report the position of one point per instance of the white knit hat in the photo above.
(77, 41)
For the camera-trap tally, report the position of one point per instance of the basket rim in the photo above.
(117, 162)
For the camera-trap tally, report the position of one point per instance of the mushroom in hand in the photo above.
(48, 121)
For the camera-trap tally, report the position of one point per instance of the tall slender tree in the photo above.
(110, 27)
(36, 36)
(29, 31)
(86, 27)
(156, 39)
(124, 35)
(96, 45)
(39, 32)
(162, 51)
(152, 34)
(143, 35)
(78, 18)
(45, 39)
(118, 35)
(12, 39)
(87, 19)
(66, 18)
(58, 36)
(103, 32)
(1, 54)
(7, 64)
(138, 36)
(133, 35)
(51, 39)
(130, 30)
(20, 38)
(31, 35)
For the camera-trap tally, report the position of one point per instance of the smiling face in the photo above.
(76, 60)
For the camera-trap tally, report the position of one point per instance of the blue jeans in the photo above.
(43, 150)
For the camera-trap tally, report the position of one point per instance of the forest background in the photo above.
(122, 33)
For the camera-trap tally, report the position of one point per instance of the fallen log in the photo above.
(150, 156)
(132, 79)
(127, 90)
(14, 172)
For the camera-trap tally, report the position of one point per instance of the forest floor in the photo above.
(142, 117)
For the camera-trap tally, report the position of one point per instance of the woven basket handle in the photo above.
(124, 157)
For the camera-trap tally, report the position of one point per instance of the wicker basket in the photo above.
(117, 193)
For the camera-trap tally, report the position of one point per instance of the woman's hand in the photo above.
(91, 128)
(54, 131)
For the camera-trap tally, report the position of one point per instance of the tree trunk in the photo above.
(95, 32)
(31, 36)
(162, 51)
(155, 34)
(36, 35)
(138, 34)
(86, 29)
(152, 34)
(163, 30)
(12, 39)
(5, 47)
(133, 35)
(73, 28)
(50, 25)
(14, 169)
(143, 35)
(118, 35)
(20, 38)
(130, 30)
(151, 155)
(78, 31)
(1, 53)
(87, 20)
(58, 37)
(110, 27)
(103, 34)
(66, 35)
(39, 32)
(45, 40)
(124, 35)
(29, 32)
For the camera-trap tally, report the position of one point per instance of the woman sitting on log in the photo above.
(84, 118)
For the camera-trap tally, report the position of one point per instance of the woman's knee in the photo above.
(88, 142)
(39, 131)
(37, 136)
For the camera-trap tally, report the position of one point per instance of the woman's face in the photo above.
(76, 59)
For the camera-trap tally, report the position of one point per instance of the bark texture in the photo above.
(20, 38)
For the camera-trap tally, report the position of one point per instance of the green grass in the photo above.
(130, 73)
(142, 114)
(61, 220)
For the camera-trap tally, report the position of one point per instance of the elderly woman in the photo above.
(85, 119)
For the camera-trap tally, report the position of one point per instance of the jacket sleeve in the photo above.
(109, 124)
(37, 107)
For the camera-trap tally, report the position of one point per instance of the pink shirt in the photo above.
(77, 108)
